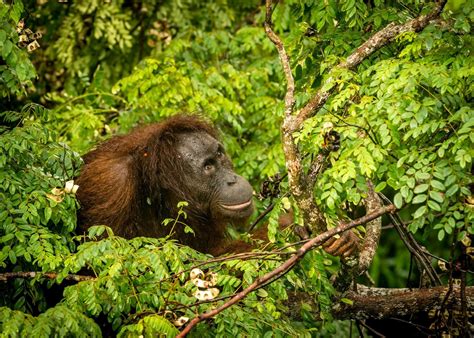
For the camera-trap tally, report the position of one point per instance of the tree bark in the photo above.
(382, 303)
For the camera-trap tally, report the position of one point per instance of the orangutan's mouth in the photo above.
(237, 207)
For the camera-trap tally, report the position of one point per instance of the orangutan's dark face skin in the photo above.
(211, 178)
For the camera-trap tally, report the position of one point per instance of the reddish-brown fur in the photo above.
(131, 183)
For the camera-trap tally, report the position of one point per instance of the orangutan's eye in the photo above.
(209, 165)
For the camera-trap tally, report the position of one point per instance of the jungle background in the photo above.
(73, 74)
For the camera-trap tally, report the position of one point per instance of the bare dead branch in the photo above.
(286, 266)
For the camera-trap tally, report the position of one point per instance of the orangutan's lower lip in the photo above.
(235, 207)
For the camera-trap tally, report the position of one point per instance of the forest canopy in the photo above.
(341, 114)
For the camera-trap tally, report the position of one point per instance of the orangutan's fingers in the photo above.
(330, 250)
(343, 246)
(354, 245)
(337, 244)
(333, 247)
(346, 250)
(329, 242)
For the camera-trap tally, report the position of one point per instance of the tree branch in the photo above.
(385, 303)
(293, 160)
(286, 266)
(373, 230)
(356, 266)
(50, 275)
(316, 167)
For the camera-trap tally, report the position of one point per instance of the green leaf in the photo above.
(420, 211)
(448, 229)
(298, 72)
(347, 301)
(437, 196)
(381, 186)
(188, 230)
(398, 200)
(182, 204)
(441, 152)
(433, 205)
(450, 180)
(12, 256)
(47, 214)
(419, 199)
(404, 191)
(6, 238)
(441, 235)
(437, 185)
(421, 188)
(7, 48)
(94, 231)
(422, 176)
(16, 11)
(3, 37)
(451, 191)
(285, 201)
(12, 60)
(411, 182)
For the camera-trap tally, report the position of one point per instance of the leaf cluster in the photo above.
(16, 69)
(34, 225)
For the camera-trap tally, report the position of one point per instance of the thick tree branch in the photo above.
(356, 266)
(373, 230)
(286, 266)
(316, 167)
(293, 158)
(296, 179)
(385, 303)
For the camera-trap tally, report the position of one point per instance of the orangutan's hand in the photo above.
(343, 246)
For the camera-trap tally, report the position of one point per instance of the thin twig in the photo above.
(416, 250)
(419, 253)
(370, 328)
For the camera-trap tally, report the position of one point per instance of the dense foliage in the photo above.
(405, 117)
